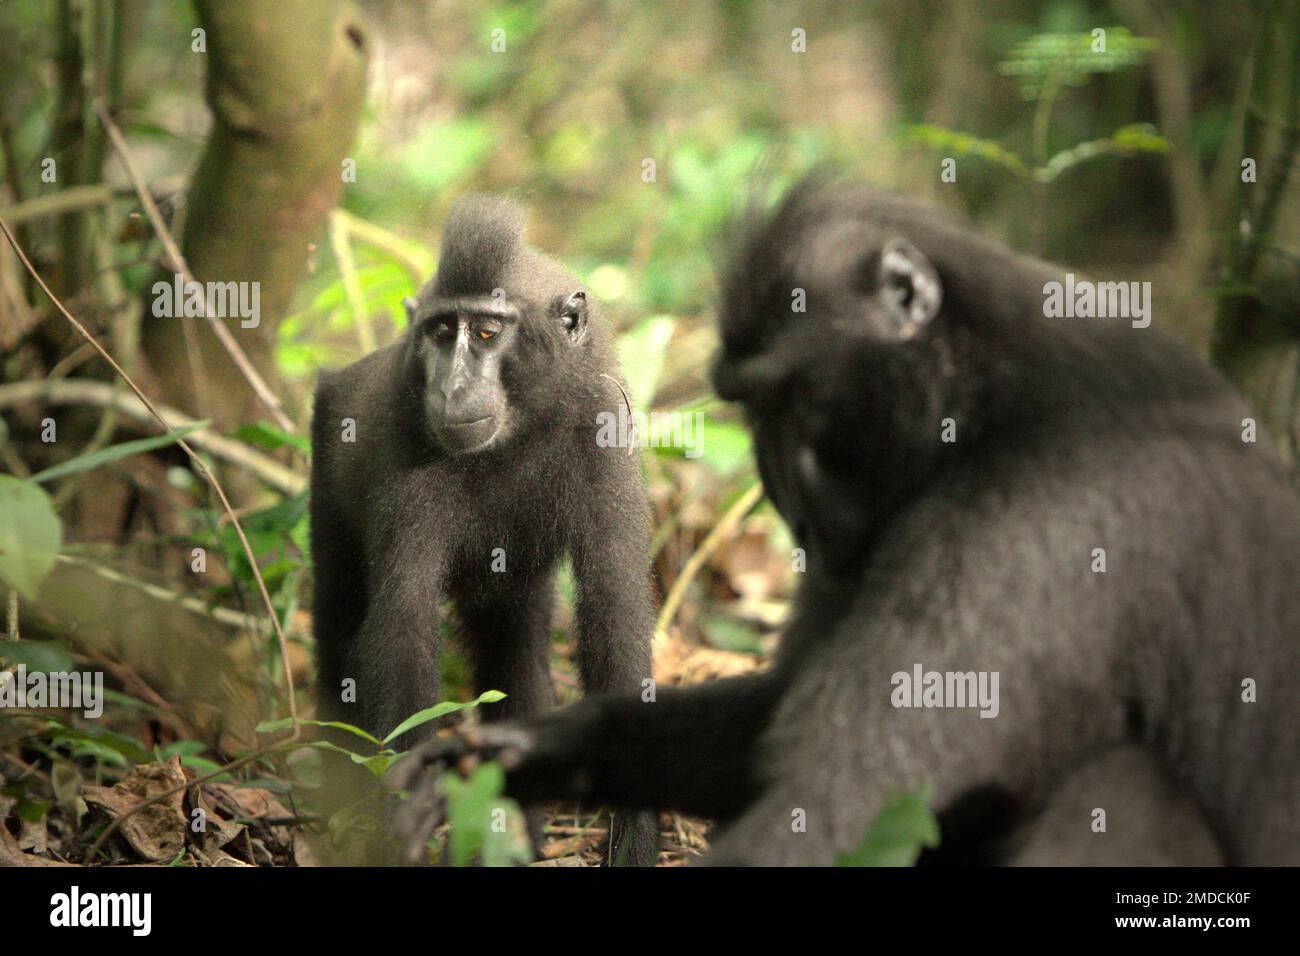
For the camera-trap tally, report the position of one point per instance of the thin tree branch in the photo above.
(76, 391)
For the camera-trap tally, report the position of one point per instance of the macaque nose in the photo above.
(466, 401)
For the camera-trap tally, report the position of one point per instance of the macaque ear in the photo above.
(412, 306)
(908, 287)
(573, 315)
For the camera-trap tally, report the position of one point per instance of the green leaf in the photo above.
(266, 435)
(101, 743)
(50, 657)
(271, 726)
(377, 764)
(32, 811)
(725, 447)
(30, 535)
(896, 837)
(471, 805)
(442, 710)
(114, 452)
(333, 748)
(270, 531)
(729, 634)
(1068, 59)
(185, 748)
(963, 144)
(1142, 137)
(120, 699)
(203, 765)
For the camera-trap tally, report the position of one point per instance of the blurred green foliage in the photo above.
(1070, 59)
(903, 828)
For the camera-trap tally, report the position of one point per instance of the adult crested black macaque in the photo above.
(461, 462)
(1096, 533)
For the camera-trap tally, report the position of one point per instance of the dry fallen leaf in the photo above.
(33, 836)
(10, 855)
(217, 831)
(158, 831)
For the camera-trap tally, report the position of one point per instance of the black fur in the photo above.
(399, 521)
(1072, 434)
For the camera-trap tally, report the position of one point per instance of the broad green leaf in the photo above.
(30, 535)
(98, 752)
(896, 837)
(270, 531)
(471, 805)
(205, 766)
(726, 447)
(114, 452)
(46, 656)
(442, 710)
(101, 742)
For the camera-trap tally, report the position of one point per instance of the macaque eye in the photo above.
(487, 330)
(444, 332)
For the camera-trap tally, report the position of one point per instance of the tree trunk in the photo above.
(286, 83)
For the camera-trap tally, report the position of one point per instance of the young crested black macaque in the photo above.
(1067, 503)
(461, 462)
